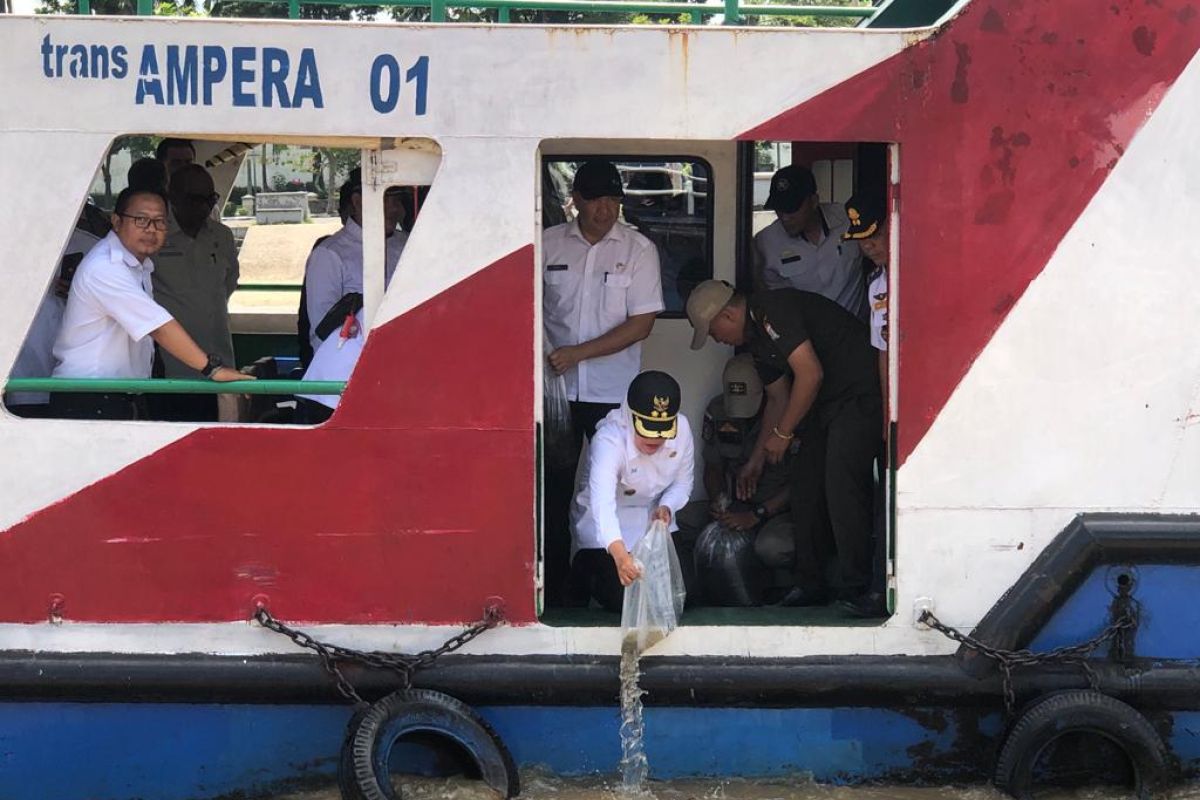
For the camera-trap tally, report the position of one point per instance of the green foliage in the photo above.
(810, 21)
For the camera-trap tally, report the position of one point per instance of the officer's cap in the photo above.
(742, 388)
(790, 187)
(597, 178)
(654, 402)
(866, 214)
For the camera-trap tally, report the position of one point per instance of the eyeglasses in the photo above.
(146, 223)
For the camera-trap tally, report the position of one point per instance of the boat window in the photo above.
(667, 199)
(271, 206)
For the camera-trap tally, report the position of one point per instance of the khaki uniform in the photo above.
(730, 441)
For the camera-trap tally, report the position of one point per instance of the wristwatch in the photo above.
(214, 362)
(760, 511)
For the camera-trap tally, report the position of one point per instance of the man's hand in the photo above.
(564, 358)
(776, 448)
(225, 374)
(747, 479)
(662, 514)
(739, 520)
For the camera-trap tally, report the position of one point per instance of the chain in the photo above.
(1008, 660)
(403, 664)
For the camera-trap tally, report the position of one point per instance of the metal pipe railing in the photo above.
(733, 10)
(172, 386)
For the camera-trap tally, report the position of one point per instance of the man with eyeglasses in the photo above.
(195, 273)
(111, 321)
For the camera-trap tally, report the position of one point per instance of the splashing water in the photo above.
(634, 767)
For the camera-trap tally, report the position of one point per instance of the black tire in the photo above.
(1080, 712)
(421, 711)
(346, 778)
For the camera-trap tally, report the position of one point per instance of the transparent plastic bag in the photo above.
(654, 602)
(728, 571)
(557, 448)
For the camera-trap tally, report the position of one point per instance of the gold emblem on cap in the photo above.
(661, 404)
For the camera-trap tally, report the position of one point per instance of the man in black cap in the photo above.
(832, 407)
(803, 248)
(601, 293)
(639, 469)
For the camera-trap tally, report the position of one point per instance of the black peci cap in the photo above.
(597, 178)
(790, 187)
(866, 214)
(654, 402)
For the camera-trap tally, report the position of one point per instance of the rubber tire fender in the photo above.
(425, 711)
(346, 777)
(1080, 711)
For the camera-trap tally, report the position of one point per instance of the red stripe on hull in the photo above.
(413, 504)
(1008, 122)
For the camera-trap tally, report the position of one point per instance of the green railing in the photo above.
(172, 386)
(733, 11)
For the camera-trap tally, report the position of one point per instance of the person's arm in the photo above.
(777, 392)
(233, 272)
(807, 375)
(174, 339)
(323, 284)
(629, 332)
(745, 520)
(679, 492)
(603, 465)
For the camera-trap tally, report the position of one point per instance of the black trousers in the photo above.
(95, 405)
(183, 407)
(594, 575)
(560, 490)
(833, 493)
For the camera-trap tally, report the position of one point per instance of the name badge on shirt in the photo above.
(556, 267)
(790, 259)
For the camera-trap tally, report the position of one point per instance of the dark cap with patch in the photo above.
(653, 400)
(866, 215)
(790, 187)
(598, 178)
(743, 388)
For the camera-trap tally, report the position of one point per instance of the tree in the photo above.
(137, 146)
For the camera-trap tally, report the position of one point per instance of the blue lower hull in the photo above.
(105, 751)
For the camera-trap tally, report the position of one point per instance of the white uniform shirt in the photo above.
(877, 296)
(193, 279)
(36, 359)
(590, 289)
(622, 487)
(831, 268)
(109, 316)
(332, 362)
(335, 268)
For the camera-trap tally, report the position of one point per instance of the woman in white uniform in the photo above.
(639, 469)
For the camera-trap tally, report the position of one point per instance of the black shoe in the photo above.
(798, 596)
(869, 605)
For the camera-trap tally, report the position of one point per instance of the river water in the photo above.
(537, 785)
